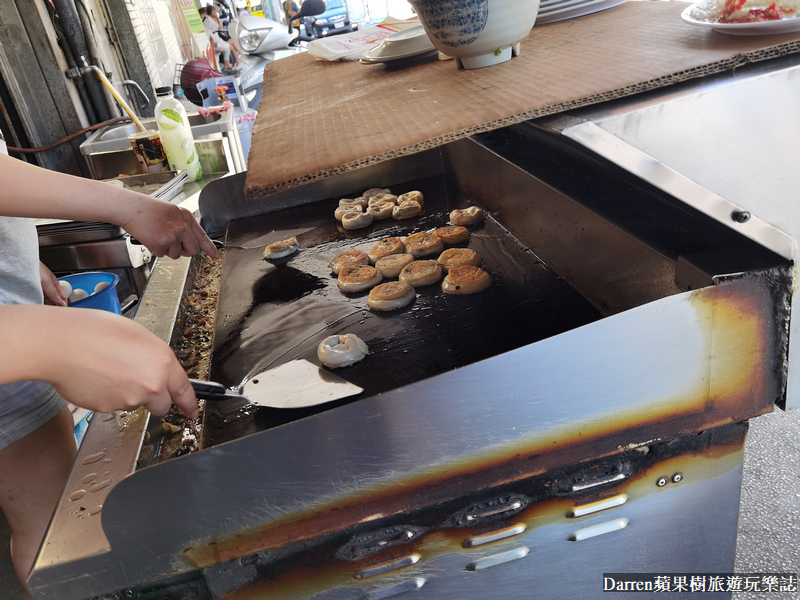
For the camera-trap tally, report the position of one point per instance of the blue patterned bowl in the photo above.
(479, 33)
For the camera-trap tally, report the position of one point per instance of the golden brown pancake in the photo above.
(390, 296)
(357, 278)
(348, 259)
(386, 247)
(466, 280)
(453, 234)
(423, 244)
(421, 273)
(281, 249)
(390, 266)
(458, 257)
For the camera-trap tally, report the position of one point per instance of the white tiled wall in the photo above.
(156, 28)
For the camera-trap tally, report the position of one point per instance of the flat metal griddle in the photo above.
(273, 312)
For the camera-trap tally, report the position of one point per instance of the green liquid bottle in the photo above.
(176, 134)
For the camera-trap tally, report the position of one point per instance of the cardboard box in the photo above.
(317, 118)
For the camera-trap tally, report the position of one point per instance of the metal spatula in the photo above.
(296, 384)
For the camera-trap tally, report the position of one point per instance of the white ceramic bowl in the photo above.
(479, 33)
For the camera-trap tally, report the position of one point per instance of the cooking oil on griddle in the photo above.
(274, 312)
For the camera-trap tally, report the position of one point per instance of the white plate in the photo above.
(398, 46)
(571, 12)
(762, 28)
(563, 6)
(551, 3)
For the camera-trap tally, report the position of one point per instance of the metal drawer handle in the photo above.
(516, 505)
(594, 507)
(498, 559)
(586, 486)
(495, 535)
(400, 588)
(389, 565)
(600, 529)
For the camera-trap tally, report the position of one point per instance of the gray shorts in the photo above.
(24, 407)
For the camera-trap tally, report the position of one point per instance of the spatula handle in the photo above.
(211, 390)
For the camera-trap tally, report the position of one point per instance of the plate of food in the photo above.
(409, 43)
(571, 10)
(745, 17)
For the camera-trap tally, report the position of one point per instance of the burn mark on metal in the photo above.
(536, 477)
(374, 542)
(493, 510)
(745, 324)
(746, 334)
(299, 570)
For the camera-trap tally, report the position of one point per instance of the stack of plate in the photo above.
(551, 11)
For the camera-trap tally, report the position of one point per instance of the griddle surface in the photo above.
(274, 312)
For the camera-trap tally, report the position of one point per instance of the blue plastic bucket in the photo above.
(105, 299)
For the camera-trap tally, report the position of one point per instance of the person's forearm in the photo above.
(19, 358)
(29, 191)
(94, 359)
(166, 229)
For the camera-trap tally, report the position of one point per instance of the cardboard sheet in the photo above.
(318, 118)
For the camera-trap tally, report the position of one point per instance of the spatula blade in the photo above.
(297, 384)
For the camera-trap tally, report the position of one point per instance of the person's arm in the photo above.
(95, 359)
(166, 229)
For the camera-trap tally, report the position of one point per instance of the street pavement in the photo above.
(769, 519)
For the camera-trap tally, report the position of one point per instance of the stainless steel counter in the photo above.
(725, 145)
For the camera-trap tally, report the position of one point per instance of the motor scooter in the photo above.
(263, 40)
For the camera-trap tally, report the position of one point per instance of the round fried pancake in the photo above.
(356, 220)
(357, 278)
(415, 196)
(466, 280)
(386, 247)
(421, 273)
(458, 257)
(390, 266)
(375, 191)
(381, 210)
(348, 259)
(406, 210)
(390, 296)
(467, 216)
(361, 201)
(453, 234)
(382, 198)
(281, 249)
(423, 244)
(343, 210)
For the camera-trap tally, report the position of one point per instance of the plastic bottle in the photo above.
(176, 134)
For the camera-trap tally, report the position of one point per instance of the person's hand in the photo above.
(168, 230)
(53, 293)
(96, 359)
